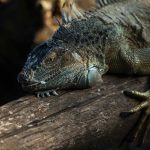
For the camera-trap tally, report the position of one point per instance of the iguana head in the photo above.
(71, 59)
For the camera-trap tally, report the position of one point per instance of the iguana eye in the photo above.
(50, 58)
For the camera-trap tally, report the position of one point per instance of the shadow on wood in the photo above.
(82, 119)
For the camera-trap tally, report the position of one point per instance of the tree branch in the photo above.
(82, 119)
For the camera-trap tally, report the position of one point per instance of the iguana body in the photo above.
(114, 39)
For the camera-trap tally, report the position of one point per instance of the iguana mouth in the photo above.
(33, 87)
(28, 82)
(32, 84)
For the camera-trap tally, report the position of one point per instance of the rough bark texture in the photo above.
(82, 119)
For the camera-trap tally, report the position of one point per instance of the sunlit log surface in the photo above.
(82, 119)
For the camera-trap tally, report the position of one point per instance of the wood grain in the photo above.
(82, 119)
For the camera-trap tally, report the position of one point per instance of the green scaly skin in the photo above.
(114, 39)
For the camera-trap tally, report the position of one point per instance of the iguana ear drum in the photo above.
(89, 78)
(93, 76)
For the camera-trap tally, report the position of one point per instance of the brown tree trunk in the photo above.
(82, 119)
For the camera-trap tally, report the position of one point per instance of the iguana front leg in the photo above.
(139, 62)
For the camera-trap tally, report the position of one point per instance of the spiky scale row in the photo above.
(102, 3)
(66, 18)
(72, 9)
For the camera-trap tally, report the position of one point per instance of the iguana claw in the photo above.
(138, 131)
(46, 93)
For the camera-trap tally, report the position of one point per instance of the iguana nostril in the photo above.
(22, 77)
(25, 77)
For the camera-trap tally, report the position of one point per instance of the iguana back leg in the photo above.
(138, 62)
(139, 130)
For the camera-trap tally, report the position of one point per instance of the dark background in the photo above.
(23, 24)
(20, 20)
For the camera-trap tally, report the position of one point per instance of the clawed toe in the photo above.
(46, 93)
(137, 108)
(137, 95)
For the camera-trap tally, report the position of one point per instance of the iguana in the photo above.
(114, 38)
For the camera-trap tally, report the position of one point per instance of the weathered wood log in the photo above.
(82, 119)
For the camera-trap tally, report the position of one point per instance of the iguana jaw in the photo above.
(74, 76)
